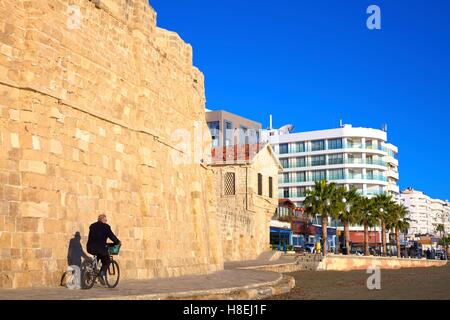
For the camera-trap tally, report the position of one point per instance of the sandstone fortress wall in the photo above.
(86, 122)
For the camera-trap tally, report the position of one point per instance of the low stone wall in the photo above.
(348, 263)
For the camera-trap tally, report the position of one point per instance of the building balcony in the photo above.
(358, 162)
(310, 180)
(392, 174)
(353, 146)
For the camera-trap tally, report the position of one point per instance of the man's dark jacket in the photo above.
(99, 232)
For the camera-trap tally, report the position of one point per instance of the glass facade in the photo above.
(335, 144)
(336, 158)
(214, 129)
(318, 175)
(228, 133)
(283, 148)
(318, 160)
(317, 145)
(337, 174)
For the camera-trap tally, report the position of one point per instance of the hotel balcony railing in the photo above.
(374, 177)
(292, 195)
(344, 146)
(334, 162)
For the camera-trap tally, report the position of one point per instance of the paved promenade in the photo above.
(227, 284)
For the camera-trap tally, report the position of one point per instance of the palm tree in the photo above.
(445, 242)
(367, 219)
(399, 222)
(383, 209)
(441, 229)
(320, 200)
(348, 210)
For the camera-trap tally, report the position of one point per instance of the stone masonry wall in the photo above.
(87, 114)
(245, 217)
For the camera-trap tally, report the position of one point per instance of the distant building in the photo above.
(348, 156)
(229, 129)
(246, 187)
(425, 213)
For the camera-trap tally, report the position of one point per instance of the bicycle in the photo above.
(91, 270)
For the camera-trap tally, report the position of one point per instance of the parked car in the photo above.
(356, 250)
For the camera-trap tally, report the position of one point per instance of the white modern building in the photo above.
(425, 213)
(349, 156)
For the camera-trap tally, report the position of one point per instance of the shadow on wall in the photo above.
(76, 252)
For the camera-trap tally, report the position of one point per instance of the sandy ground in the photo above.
(407, 284)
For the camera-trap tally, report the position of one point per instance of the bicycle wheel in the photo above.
(113, 274)
(88, 276)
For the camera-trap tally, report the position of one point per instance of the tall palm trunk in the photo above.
(397, 240)
(347, 236)
(383, 237)
(325, 235)
(366, 239)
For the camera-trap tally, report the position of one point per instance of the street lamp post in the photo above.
(368, 236)
(382, 236)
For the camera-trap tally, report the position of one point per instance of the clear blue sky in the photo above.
(313, 62)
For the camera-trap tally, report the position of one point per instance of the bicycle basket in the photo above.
(114, 250)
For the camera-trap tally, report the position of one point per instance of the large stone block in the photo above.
(33, 166)
(34, 210)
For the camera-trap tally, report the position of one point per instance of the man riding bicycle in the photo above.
(99, 232)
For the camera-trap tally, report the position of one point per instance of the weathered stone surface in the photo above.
(88, 109)
(245, 216)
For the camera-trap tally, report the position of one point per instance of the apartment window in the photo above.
(335, 144)
(319, 175)
(286, 192)
(230, 184)
(301, 176)
(297, 147)
(214, 129)
(336, 158)
(243, 135)
(318, 160)
(283, 178)
(270, 187)
(301, 192)
(300, 162)
(369, 174)
(318, 145)
(284, 148)
(260, 185)
(336, 174)
(228, 133)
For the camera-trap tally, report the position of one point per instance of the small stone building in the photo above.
(246, 179)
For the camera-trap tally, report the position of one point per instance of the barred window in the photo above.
(270, 187)
(260, 192)
(230, 184)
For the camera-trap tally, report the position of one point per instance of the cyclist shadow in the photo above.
(75, 257)
(75, 253)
